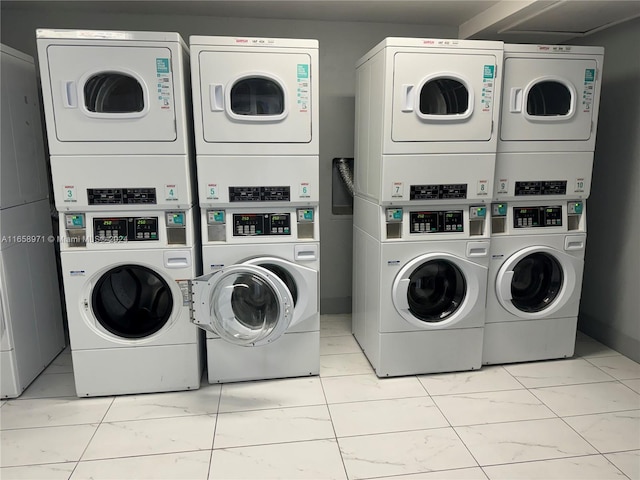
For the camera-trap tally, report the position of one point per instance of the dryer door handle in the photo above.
(216, 101)
(515, 100)
(407, 97)
(69, 94)
(505, 285)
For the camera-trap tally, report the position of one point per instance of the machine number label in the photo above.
(483, 188)
(397, 190)
(69, 194)
(212, 191)
(305, 191)
(503, 185)
(579, 185)
(171, 193)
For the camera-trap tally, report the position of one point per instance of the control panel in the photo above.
(541, 188)
(447, 221)
(254, 224)
(533, 217)
(259, 194)
(438, 192)
(121, 196)
(125, 229)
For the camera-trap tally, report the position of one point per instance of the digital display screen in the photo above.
(444, 221)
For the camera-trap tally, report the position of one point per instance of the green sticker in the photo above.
(162, 65)
(303, 70)
(590, 75)
(489, 71)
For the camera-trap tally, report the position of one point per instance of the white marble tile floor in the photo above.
(561, 419)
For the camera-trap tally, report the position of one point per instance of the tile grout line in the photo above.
(335, 435)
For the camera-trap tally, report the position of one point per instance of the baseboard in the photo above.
(610, 336)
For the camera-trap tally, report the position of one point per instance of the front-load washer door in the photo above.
(252, 97)
(548, 99)
(301, 281)
(112, 94)
(131, 302)
(443, 98)
(438, 290)
(537, 281)
(244, 304)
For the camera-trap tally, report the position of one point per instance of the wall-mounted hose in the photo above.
(346, 174)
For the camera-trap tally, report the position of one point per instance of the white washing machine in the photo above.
(31, 326)
(419, 287)
(126, 278)
(117, 106)
(256, 120)
(550, 104)
(259, 297)
(535, 281)
(426, 115)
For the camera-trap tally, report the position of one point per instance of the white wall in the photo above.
(610, 306)
(341, 44)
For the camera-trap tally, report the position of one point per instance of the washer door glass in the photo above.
(549, 99)
(537, 280)
(436, 290)
(132, 301)
(444, 96)
(257, 96)
(286, 278)
(250, 305)
(113, 92)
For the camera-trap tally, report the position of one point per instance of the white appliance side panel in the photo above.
(292, 355)
(359, 279)
(220, 69)
(410, 72)
(10, 385)
(24, 175)
(527, 341)
(171, 175)
(414, 353)
(119, 371)
(372, 299)
(400, 172)
(573, 167)
(69, 68)
(217, 173)
(520, 74)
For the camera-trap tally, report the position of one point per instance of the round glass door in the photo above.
(113, 92)
(250, 305)
(257, 97)
(132, 301)
(436, 290)
(536, 283)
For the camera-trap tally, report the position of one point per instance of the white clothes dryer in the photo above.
(24, 171)
(550, 105)
(426, 115)
(419, 286)
(31, 325)
(535, 281)
(126, 278)
(255, 96)
(114, 92)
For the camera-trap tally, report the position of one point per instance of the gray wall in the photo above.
(341, 44)
(610, 306)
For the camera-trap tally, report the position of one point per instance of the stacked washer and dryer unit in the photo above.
(255, 103)
(550, 105)
(31, 326)
(426, 132)
(117, 114)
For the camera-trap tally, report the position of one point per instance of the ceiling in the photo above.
(541, 21)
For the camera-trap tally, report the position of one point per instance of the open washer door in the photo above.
(244, 304)
(537, 281)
